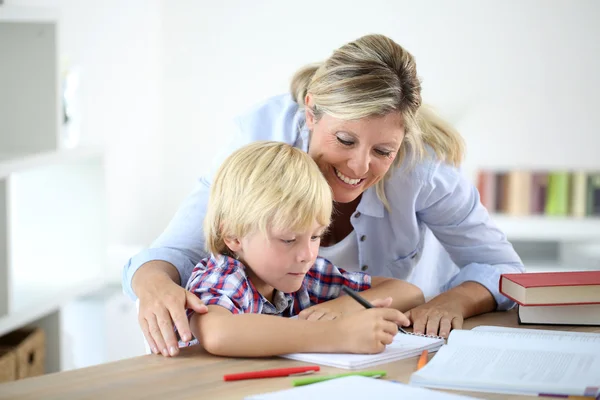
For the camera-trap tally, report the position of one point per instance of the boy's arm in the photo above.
(405, 296)
(256, 335)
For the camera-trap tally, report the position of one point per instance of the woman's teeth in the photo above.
(346, 179)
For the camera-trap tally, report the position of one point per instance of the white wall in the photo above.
(117, 48)
(160, 78)
(519, 78)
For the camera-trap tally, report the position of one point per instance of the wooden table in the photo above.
(194, 374)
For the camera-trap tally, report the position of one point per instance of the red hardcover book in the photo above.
(552, 288)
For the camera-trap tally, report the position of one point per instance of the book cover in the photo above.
(552, 288)
(545, 279)
(557, 194)
(539, 183)
(486, 186)
(572, 315)
(518, 193)
(578, 198)
(593, 195)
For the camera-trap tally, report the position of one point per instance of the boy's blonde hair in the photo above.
(265, 185)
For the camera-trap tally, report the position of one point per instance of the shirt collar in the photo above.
(370, 204)
(281, 301)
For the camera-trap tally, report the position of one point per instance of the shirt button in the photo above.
(363, 238)
(357, 214)
(365, 267)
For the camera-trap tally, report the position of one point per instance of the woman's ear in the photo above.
(234, 244)
(308, 111)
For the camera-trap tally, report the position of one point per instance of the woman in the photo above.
(392, 166)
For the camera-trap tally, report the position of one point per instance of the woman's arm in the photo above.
(177, 250)
(404, 296)
(449, 205)
(257, 335)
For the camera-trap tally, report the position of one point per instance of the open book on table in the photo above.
(514, 360)
(403, 346)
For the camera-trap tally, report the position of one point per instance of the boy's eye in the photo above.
(288, 241)
(317, 237)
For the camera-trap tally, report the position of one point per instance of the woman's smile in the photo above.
(352, 182)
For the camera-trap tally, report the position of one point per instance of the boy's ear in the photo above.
(234, 244)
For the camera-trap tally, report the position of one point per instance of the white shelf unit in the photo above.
(52, 200)
(548, 228)
(548, 243)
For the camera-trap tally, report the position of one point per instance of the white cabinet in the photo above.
(100, 328)
(52, 199)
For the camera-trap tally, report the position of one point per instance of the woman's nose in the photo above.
(359, 163)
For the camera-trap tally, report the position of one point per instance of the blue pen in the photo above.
(363, 302)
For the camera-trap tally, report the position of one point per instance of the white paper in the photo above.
(403, 346)
(357, 387)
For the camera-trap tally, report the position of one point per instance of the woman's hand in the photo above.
(448, 310)
(324, 312)
(162, 303)
(436, 319)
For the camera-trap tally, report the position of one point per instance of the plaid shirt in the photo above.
(223, 281)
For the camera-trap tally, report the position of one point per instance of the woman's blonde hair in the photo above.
(265, 185)
(373, 75)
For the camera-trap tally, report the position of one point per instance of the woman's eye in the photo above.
(345, 142)
(383, 153)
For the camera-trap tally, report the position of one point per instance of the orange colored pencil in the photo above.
(422, 360)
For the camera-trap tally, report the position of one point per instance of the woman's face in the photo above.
(354, 155)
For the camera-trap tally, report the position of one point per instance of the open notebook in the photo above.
(403, 346)
(514, 360)
(356, 387)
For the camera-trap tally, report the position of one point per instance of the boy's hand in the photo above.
(369, 331)
(325, 313)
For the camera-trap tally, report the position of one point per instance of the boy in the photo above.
(268, 207)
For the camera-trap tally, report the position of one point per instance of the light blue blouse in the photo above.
(431, 197)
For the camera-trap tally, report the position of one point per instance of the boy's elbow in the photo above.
(214, 343)
(210, 335)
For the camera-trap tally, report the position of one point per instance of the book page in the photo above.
(519, 338)
(513, 370)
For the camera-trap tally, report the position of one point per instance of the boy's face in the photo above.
(281, 259)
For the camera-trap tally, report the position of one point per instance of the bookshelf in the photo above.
(550, 216)
(52, 199)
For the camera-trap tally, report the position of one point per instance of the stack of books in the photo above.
(555, 298)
